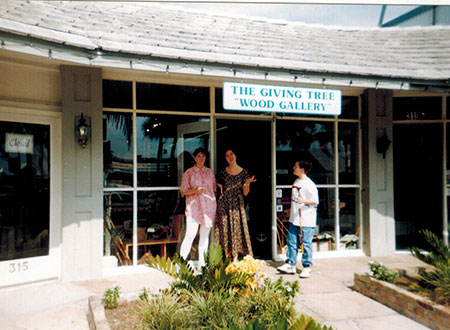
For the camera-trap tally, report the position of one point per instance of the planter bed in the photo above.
(405, 302)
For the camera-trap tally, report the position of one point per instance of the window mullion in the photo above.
(135, 197)
(336, 178)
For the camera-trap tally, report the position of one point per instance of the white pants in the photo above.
(191, 232)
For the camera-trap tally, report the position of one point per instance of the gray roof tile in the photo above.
(152, 30)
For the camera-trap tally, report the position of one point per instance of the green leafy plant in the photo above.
(165, 311)
(143, 295)
(224, 295)
(437, 281)
(111, 297)
(212, 278)
(307, 323)
(382, 273)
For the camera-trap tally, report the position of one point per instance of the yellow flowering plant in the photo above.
(249, 266)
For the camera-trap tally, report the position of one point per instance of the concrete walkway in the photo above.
(326, 296)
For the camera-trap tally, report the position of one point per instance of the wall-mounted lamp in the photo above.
(383, 144)
(82, 131)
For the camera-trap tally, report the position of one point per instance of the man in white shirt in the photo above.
(305, 199)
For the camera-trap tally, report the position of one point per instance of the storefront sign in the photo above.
(20, 143)
(272, 98)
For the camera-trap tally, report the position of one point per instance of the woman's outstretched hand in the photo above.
(250, 180)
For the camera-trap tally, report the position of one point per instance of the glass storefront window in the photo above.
(24, 190)
(447, 174)
(117, 94)
(117, 149)
(349, 107)
(448, 107)
(165, 147)
(118, 213)
(158, 229)
(417, 108)
(150, 96)
(325, 217)
(348, 218)
(313, 140)
(348, 153)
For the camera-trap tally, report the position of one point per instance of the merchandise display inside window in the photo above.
(158, 228)
(348, 218)
(324, 239)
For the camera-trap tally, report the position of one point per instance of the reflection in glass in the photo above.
(117, 149)
(165, 145)
(118, 208)
(313, 140)
(349, 218)
(24, 190)
(158, 228)
(348, 153)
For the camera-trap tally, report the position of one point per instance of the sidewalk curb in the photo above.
(96, 314)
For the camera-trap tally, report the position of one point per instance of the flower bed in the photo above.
(405, 302)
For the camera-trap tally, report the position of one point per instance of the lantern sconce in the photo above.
(383, 144)
(82, 130)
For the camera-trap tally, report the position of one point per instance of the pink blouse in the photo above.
(200, 207)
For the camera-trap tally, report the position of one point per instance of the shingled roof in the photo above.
(146, 31)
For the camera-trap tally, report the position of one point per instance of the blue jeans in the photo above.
(293, 242)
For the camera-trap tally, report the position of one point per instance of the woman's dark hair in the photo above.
(231, 149)
(305, 164)
(202, 150)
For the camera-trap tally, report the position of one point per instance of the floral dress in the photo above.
(200, 207)
(231, 230)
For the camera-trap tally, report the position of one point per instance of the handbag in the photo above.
(180, 207)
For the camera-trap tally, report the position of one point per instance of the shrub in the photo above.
(226, 295)
(382, 273)
(143, 295)
(111, 297)
(165, 311)
(438, 255)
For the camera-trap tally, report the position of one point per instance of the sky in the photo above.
(344, 15)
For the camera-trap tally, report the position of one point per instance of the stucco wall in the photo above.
(30, 82)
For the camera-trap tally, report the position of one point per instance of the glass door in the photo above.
(27, 235)
(251, 142)
(418, 182)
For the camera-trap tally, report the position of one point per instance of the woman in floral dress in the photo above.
(231, 230)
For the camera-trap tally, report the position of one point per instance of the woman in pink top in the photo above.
(198, 185)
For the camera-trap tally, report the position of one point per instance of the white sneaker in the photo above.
(306, 272)
(287, 268)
